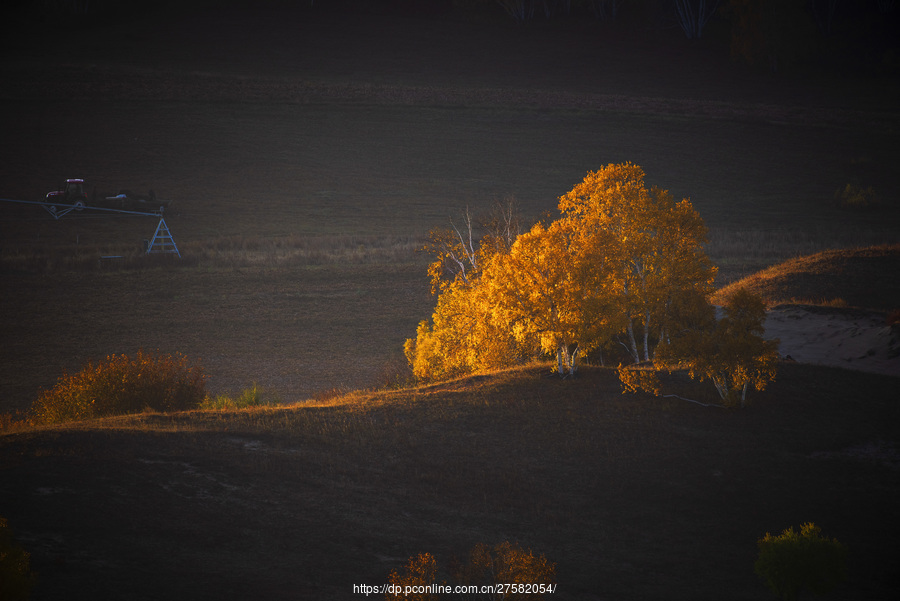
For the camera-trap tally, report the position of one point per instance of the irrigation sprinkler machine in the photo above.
(71, 197)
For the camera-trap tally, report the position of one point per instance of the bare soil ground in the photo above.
(846, 338)
(835, 307)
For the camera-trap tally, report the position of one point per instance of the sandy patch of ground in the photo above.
(849, 338)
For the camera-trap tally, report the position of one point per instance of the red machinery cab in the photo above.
(72, 194)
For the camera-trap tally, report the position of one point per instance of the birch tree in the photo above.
(519, 10)
(692, 15)
(622, 262)
(463, 334)
(730, 352)
(656, 251)
(551, 291)
(461, 337)
(460, 250)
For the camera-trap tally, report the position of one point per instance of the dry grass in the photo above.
(739, 253)
(228, 252)
(855, 277)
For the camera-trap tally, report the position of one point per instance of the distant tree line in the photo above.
(773, 34)
(769, 34)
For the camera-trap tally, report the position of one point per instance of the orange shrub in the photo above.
(120, 385)
(504, 572)
(417, 583)
(508, 563)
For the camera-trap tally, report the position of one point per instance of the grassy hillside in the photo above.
(302, 502)
(856, 277)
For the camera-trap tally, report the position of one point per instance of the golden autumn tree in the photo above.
(549, 292)
(419, 576)
(651, 247)
(463, 335)
(459, 253)
(730, 351)
(623, 262)
(507, 563)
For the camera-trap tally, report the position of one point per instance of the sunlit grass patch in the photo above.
(855, 277)
(238, 251)
(253, 396)
(249, 251)
(740, 253)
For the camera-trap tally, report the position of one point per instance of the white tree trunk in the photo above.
(647, 337)
(634, 349)
(566, 360)
(721, 387)
(692, 15)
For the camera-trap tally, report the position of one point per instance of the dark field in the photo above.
(307, 155)
(633, 497)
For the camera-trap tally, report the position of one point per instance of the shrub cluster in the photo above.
(120, 385)
(794, 561)
(853, 197)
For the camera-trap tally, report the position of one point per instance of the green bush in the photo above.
(16, 577)
(250, 397)
(121, 385)
(853, 197)
(792, 562)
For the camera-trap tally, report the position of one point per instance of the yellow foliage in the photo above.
(731, 352)
(793, 562)
(463, 337)
(511, 564)
(650, 246)
(621, 260)
(421, 573)
(547, 291)
(638, 379)
(509, 570)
